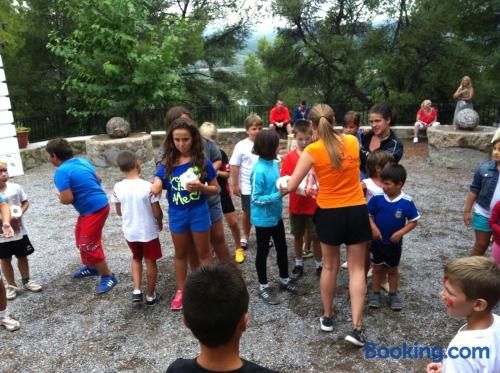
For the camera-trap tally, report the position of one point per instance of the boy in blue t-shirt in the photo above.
(79, 184)
(392, 215)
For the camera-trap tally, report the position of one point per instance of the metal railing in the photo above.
(48, 127)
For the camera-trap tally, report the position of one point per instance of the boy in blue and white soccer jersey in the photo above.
(392, 215)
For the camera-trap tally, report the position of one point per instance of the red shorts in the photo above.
(150, 250)
(88, 236)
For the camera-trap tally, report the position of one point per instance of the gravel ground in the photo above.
(68, 328)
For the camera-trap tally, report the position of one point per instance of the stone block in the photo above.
(103, 151)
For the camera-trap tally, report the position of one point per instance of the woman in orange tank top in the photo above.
(342, 214)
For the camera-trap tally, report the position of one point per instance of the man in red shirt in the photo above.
(279, 117)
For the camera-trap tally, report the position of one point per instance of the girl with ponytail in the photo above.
(341, 216)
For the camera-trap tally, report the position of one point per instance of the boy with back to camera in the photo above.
(79, 184)
(392, 215)
(141, 223)
(216, 312)
(472, 289)
(18, 245)
(242, 162)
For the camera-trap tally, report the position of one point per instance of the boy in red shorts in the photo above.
(79, 184)
(141, 223)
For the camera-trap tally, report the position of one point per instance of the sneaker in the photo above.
(290, 286)
(11, 291)
(85, 271)
(326, 323)
(10, 324)
(239, 255)
(307, 254)
(318, 271)
(32, 286)
(374, 300)
(106, 284)
(344, 265)
(356, 337)
(385, 286)
(136, 298)
(244, 244)
(268, 296)
(153, 301)
(395, 302)
(297, 272)
(415, 139)
(176, 304)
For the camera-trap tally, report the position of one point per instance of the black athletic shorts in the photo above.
(387, 254)
(227, 203)
(18, 248)
(343, 225)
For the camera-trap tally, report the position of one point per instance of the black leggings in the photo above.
(263, 235)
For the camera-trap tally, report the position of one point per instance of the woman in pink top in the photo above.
(426, 117)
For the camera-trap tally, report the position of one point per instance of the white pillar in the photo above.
(9, 149)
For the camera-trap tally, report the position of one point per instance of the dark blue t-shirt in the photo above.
(391, 216)
(80, 176)
(178, 197)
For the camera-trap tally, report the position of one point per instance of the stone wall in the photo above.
(36, 155)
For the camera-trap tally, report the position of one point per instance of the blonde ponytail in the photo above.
(323, 118)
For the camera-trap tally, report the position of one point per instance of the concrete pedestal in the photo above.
(453, 148)
(102, 150)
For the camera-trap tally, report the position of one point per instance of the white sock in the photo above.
(319, 263)
(284, 281)
(299, 262)
(136, 291)
(263, 286)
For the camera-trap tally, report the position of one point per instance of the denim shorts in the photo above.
(192, 218)
(480, 223)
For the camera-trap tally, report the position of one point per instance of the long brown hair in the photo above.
(172, 154)
(174, 113)
(323, 118)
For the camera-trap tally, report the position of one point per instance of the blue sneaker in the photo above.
(107, 283)
(85, 271)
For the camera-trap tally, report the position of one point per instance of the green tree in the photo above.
(121, 62)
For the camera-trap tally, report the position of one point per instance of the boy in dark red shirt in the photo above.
(279, 118)
(302, 208)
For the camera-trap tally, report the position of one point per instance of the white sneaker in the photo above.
(415, 139)
(11, 291)
(10, 324)
(32, 286)
(344, 265)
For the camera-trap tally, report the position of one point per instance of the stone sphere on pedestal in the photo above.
(103, 151)
(117, 127)
(467, 119)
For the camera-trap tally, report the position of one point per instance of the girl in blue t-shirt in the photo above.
(188, 177)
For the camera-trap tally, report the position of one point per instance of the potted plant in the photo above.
(22, 134)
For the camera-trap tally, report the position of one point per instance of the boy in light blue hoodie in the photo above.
(265, 213)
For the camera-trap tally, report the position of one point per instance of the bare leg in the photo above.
(218, 241)
(379, 275)
(328, 281)
(393, 274)
(232, 221)
(151, 273)
(8, 271)
(193, 260)
(298, 241)
(307, 240)
(356, 257)
(415, 129)
(23, 265)
(137, 273)
(3, 296)
(245, 221)
(481, 244)
(102, 268)
(181, 246)
(202, 244)
(317, 250)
